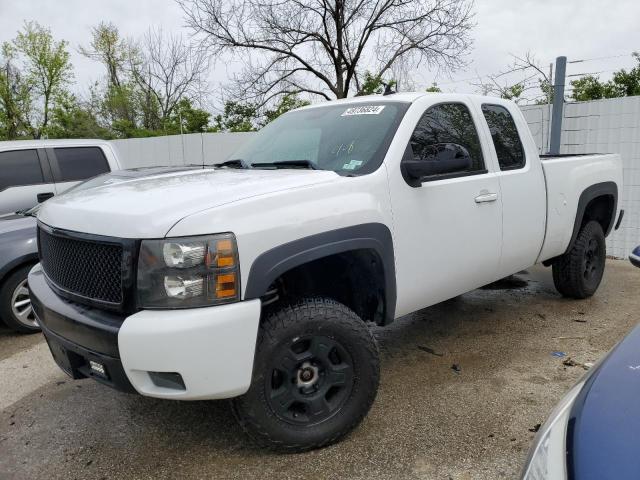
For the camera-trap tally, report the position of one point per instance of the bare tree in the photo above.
(534, 84)
(168, 69)
(325, 47)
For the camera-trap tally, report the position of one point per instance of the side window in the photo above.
(447, 131)
(79, 163)
(20, 167)
(505, 137)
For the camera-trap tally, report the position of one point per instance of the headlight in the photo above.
(188, 272)
(547, 458)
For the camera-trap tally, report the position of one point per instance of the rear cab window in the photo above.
(79, 163)
(20, 168)
(504, 134)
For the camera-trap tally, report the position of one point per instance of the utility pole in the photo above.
(547, 143)
(558, 106)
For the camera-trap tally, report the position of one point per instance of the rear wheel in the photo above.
(15, 302)
(315, 377)
(578, 273)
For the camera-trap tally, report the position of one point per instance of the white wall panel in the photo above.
(603, 126)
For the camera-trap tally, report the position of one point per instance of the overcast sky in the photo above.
(579, 29)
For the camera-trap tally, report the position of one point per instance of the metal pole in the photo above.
(558, 105)
(548, 112)
(184, 160)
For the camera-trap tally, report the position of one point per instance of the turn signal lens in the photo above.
(225, 253)
(226, 285)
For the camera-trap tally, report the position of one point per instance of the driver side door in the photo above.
(448, 225)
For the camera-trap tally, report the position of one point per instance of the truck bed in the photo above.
(566, 178)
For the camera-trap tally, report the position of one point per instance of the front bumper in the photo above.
(191, 354)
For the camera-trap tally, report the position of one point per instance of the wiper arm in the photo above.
(25, 212)
(286, 164)
(234, 163)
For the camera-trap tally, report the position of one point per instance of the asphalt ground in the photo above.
(463, 385)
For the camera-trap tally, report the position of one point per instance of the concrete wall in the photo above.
(602, 126)
(194, 148)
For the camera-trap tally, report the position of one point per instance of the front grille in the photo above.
(86, 268)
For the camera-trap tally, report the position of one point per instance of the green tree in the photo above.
(434, 88)
(71, 119)
(287, 102)
(372, 84)
(119, 103)
(15, 97)
(623, 84)
(47, 67)
(236, 117)
(192, 120)
(627, 84)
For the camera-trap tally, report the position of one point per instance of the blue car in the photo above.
(593, 432)
(635, 256)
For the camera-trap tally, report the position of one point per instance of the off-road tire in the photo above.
(280, 331)
(578, 273)
(7, 290)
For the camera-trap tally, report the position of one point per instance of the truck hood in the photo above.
(146, 203)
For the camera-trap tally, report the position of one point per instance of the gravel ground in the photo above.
(429, 420)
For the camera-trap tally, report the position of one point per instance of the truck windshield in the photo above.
(350, 139)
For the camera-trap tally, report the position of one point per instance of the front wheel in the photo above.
(315, 376)
(15, 302)
(578, 273)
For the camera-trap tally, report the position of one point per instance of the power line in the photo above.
(601, 58)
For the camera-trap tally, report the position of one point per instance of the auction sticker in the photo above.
(364, 110)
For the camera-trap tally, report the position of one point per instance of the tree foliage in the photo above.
(36, 73)
(623, 84)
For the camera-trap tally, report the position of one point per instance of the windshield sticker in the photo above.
(352, 165)
(364, 110)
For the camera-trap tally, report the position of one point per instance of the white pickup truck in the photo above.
(254, 280)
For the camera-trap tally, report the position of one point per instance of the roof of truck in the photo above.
(407, 97)
(76, 142)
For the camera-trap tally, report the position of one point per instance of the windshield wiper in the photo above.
(286, 164)
(234, 163)
(26, 212)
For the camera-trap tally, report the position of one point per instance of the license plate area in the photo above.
(76, 365)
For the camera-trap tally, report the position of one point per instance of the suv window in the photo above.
(505, 137)
(79, 163)
(443, 127)
(20, 167)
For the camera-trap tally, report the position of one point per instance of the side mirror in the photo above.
(438, 159)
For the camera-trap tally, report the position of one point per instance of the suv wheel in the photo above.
(15, 304)
(577, 273)
(315, 376)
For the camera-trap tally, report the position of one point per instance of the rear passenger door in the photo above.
(522, 186)
(71, 165)
(25, 179)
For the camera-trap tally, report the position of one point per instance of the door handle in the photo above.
(44, 196)
(486, 197)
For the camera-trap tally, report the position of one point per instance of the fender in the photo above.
(594, 191)
(268, 266)
(17, 262)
